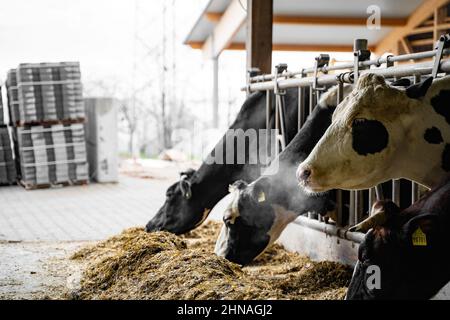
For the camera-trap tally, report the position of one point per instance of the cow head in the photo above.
(393, 263)
(251, 222)
(367, 135)
(183, 209)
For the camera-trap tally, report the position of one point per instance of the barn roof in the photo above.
(302, 25)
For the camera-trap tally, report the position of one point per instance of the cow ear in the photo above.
(237, 185)
(404, 82)
(261, 189)
(419, 90)
(383, 214)
(187, 174)
(420, 229)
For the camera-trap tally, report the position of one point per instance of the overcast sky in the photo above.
(101, 35)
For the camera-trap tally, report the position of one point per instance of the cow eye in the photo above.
(227, 221)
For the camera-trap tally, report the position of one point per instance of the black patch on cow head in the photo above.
(433, 135)
(419, 90)
(446, 158)
(404, 82)
(369, 136)
(441, 104)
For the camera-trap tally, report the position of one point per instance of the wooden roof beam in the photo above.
(422, 13)
(286, 47)
(225, 30)
(312, 20)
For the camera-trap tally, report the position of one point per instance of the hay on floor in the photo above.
(160, 265)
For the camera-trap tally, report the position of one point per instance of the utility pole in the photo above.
(215, 97)
(163, 77)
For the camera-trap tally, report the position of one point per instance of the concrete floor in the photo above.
(79, 213)
(40, 229)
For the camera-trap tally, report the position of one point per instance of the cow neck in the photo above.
(211, 183)
(418, 159)
(297, 151)
(213, 180)
(311, 132)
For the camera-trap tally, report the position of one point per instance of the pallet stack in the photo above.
(13, 98)
(1, 108)
(7, 166)
(47, 110)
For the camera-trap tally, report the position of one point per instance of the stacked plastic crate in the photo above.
(47, 109)
(7, 166)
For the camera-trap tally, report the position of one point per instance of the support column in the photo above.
(259, 35)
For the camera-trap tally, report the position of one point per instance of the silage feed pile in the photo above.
(160, 265)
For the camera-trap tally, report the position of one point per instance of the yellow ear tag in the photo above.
(261, 197)
(419, 238)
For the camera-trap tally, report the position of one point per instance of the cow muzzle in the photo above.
(305, 176)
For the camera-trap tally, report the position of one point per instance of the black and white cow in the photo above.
(379, 133)
(261, 210)
(189, 201)
(405, 254)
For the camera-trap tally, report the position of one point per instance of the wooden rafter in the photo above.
(417, 18)
(225, 30)
(312, 20)
(285, 47)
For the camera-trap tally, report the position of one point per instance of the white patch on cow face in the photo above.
(230, 214)
(232, 211)
(282, 218)
(221, 246)
(335, 163)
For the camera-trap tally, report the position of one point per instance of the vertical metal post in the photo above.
(268, 126)
(360, 53)
(414, 192)
(379, 192)
(277, 127)
(339, 204)
(372, 198)
(280, 103)
(396, 191)
(351, 214)
(301, 106)
(312, 99)
(359, 206)
(279, 107)
(277, 114)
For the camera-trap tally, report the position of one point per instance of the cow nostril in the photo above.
(150, 227)
(303, 174)
(306, 173)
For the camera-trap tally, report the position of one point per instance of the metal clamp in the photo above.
(360, 53)
(252, 72)
(279, 104)
(442, 43)
(279, 69)
(389, 62)
(320, 61)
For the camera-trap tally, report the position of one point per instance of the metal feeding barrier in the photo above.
(351, 205)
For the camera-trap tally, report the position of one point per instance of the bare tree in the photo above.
(129, 115)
